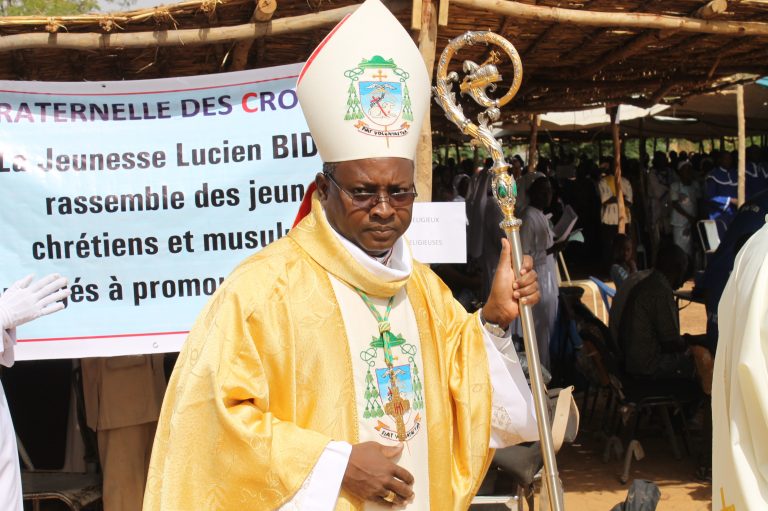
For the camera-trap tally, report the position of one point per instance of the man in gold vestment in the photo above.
(331, 370)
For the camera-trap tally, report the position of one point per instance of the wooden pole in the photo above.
(638, 45)
(613, 111)
(264, 11)
(742, 144)
(712, 9)
(533, 143)
(585, 17)
(427, 46)
(178, 37)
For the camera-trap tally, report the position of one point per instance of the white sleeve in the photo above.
(320, 489)
(604, 190)
(6, 346)
(513, 417)
(626, 189)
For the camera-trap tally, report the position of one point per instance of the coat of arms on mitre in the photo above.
(377, 98)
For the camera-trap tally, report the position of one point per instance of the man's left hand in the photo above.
(508, 292)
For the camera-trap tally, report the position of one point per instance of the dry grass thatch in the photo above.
(568, 64)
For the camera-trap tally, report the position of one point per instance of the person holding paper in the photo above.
(538, 241)
(21, 303)
(330, 370)
(684, 197)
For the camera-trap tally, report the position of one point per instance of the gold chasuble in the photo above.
(265, 380)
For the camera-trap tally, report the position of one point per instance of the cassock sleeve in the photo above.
(626, 189)
(320, 489)
(605, 191)
(219, 445)
(513, 417)
(6, 347)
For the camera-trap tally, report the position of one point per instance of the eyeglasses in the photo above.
(367, 200)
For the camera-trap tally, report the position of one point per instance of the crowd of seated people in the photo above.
(666, 196)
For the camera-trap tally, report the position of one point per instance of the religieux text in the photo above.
(294, 145)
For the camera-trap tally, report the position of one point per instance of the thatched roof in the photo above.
(672, 49)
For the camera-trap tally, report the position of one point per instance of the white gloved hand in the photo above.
(26, 300)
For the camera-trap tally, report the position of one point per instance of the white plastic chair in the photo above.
(598, 307)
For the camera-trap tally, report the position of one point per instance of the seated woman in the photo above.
(624, 263)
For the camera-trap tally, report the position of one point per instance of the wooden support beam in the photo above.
(509, 27)
(427, 46)
(416, 15)
(742, 145)
(591, 36)
(263, 12)
(617, 168)
(617, 19)
(637, 45)
(556, 102)
(652, 83)
(535, 44)
(533, 141)
(442, 18)
(662, 91)
(712, 9)
(181, 37)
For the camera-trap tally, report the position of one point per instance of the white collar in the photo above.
(398, 267)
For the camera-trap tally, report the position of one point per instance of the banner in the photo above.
(145, 194)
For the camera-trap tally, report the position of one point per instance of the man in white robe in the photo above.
(22, 302)
(740, 384)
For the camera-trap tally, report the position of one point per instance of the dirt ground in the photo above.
(592, 485)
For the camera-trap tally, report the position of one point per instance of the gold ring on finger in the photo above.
(390, 496)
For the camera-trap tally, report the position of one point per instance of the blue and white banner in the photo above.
(146, 194)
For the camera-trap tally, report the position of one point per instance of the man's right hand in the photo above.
(371, 474)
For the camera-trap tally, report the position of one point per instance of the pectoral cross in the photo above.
(397, 406)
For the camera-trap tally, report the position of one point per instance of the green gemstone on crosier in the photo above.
(502, 191)
(514, 188)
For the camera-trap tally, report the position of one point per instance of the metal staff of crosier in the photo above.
(478, 80)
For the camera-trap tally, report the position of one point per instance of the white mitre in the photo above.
(365, 89)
